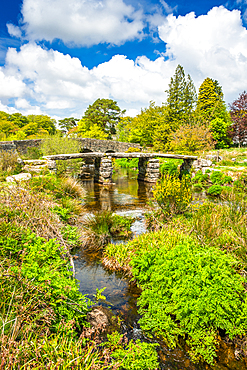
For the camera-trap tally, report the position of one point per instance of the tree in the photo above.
(18, 119)
(210, 103)
(181, 98)
(151, 127)
(191, 139)
(219, 131)
(93, 131)
(123, 128)
(67, 124)
(238, 131)
(44, 122)
(211, 110)
(7, 128)
(105, 113)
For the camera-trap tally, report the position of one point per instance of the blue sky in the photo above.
(59, 56)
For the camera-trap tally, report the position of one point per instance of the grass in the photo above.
(99, 228)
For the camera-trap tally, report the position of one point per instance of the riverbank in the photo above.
(209, 239)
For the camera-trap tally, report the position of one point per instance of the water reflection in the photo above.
(126, 193)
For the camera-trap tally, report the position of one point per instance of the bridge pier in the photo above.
(103, 170)
(185, 167)
(148, 169)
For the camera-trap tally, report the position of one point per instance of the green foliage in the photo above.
(150, 127)
(102, 116)
(169, 168)
(190, 139)
(172, 194)
(133, 356)
(126, 162)
(67, 124)
(199, 178)
(62, 145)
(40, 261)
(181, 98)
(219, 178)
(189, 290)
(215, 190)
(219, 129)
(92, 131)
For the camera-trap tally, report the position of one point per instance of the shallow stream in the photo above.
(128, 197)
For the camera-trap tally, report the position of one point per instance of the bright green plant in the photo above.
(126, 162)
(133, 356)
(190, 291)
(41, 262)
(215, 190)
(219, 178)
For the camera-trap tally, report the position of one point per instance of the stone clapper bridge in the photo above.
(148, 165)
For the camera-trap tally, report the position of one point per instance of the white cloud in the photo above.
(14, 30)
(82, 22)
(11, 86)
(59, 82)
(212, 45)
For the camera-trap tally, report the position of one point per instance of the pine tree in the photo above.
(210, 103)
(181, 98)
(211, 110)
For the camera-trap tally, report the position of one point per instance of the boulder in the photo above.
(19, 177)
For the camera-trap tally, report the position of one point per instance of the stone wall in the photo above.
(92, 145)
(106, 145)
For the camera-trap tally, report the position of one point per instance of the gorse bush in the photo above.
(172, 194)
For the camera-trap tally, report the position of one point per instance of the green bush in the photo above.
(43, 263)
(219, 178)
(189, 291)
(215, 190)
(199, 178)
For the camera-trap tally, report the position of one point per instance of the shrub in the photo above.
(9, 164)
(172, 194)
(40, 261)
(190, 291)
(126, 162)
(219, 178)
(215, 190)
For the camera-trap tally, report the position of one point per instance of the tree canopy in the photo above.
(238, 130)
(181, 98)
(104, 115)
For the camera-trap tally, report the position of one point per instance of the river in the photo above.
(128, 197)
